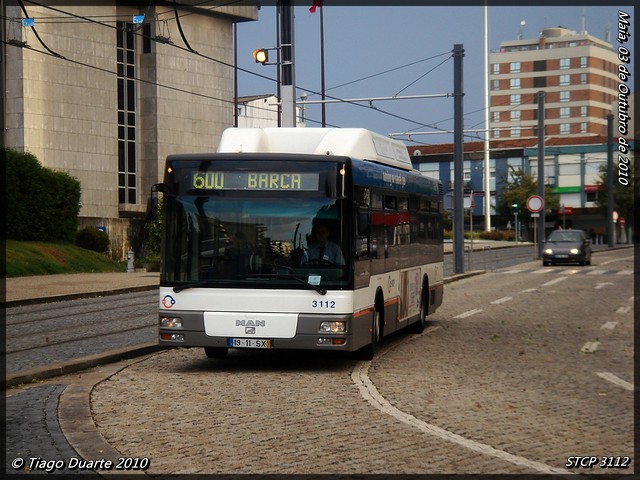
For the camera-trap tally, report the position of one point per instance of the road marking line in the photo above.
(602, 284)
(610, 377)
(554, 281)
(530, 290)
(360, 377)
(623, 310)
(596, 272)
(514, 271)
(501, 300)
(609, 326)
(625, 272)
(570, 272)
(616, 260)
(544, 270)
(469, 313)
(590, 347)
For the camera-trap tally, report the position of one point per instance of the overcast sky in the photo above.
(416, 43)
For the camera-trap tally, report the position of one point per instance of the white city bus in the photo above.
(239, 264)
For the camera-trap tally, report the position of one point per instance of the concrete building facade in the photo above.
(572, 170)
(106, 99)
(261, 111)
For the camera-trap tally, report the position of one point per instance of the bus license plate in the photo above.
(248, 343)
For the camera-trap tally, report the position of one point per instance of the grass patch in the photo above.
(45, 258)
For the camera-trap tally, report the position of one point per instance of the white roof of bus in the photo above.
(349, 142)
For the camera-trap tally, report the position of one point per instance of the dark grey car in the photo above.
(567, 246)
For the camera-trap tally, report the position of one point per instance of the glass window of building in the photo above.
(583, 62)
(565, 63)
(514, 67)
(514, 83)
(565, 96)
(583, 127)
(564, 112)
(496, 68)
(515, 99)
(583, 79)
(565, 129)
(583, 111)
(565, 80)
(514, 115)
(515, 132)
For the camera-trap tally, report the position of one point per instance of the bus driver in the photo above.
(320, 249)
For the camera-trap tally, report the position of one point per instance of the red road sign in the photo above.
(535, 203)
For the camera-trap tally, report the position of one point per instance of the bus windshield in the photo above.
(265, 241)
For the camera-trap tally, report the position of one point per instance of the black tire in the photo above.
(419, 326)
(216, 352)
(369, 351)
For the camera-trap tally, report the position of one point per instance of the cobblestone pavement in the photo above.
(499, 383)
(504, 389)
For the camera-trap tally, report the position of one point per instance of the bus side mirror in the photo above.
(363, 220)
(152, 202)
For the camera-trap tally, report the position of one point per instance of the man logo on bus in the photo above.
(168, 301)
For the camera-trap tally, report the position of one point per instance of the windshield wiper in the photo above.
(282, 276)
(202, 283)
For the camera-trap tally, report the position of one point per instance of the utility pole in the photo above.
(610, 224)
(541, 222)
(458, 160)
(288, 88)
(3, 72)
(487, 172)
(322, 79)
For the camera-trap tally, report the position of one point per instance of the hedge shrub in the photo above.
(93, 239)
(41, 204)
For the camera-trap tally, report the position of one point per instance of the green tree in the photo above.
(153, 230)
(624, 197)
(516, 191)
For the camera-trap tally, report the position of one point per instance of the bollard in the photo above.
(130, 267)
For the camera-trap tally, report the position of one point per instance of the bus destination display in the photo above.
(296, 181)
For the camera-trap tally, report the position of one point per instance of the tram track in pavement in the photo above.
(50, 339)
(133, 339)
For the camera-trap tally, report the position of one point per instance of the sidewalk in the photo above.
(46, 288)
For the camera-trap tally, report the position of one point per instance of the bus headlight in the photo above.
(333, 327)
(170, 322)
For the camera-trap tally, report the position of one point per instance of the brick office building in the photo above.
(577, 72)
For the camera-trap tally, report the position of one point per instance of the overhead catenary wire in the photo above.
(189, 49)
(35, 32)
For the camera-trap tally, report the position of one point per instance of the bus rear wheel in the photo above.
(421, 324)
(216, 352)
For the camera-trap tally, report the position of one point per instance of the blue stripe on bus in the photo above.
(381, 176)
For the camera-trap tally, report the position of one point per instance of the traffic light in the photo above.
(515, 205)
(261, 55)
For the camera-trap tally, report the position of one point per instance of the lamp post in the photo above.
(515, 213)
